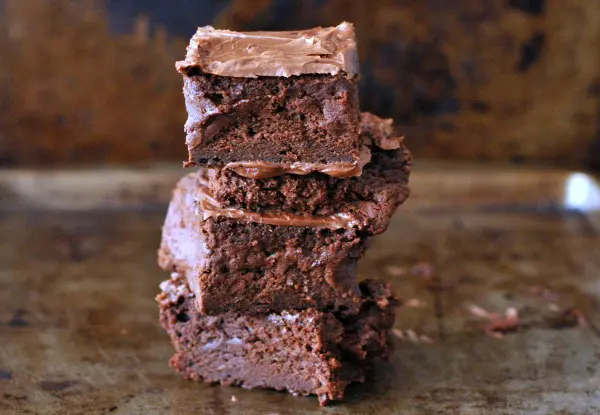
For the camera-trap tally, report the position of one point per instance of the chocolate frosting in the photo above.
(388, 140)
(319, 50)
(379, 132)
(265, 170)
(208, 207)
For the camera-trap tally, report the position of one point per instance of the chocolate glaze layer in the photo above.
(208, 207)
(319, 50)
(385, 139)
(264, 170)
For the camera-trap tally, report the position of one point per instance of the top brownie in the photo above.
(268, 103)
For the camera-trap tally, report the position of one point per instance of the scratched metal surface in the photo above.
(79, 331)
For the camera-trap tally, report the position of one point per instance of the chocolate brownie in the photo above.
(258, 267)
(304, 352)
(281, 100)
(382, 187)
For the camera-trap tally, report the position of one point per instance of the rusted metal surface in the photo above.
(79, 331)
(512, 80)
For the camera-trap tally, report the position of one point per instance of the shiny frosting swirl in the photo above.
(329, 50)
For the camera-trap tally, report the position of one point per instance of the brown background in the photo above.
(517, 80)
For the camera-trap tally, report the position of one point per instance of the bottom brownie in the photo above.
(304, 352)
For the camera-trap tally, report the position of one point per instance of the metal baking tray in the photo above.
(498, 267)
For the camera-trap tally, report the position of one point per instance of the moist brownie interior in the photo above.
(307, 118)
(371, 198)
(253, 267)
(304, 352)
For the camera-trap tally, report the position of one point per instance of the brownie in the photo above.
(304, 352)
(382, 187)
(287, 100)
(257, 267)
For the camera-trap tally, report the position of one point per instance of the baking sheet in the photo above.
(79, 331)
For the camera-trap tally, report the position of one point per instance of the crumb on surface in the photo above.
(412, 336)
(415, 303)
(395, 270)
(498, 325)
(510, 322)
(426, 339)
(398, 333)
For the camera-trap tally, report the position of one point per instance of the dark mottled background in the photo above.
(85, 81)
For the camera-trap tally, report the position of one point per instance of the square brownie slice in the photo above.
(372, 197)
(281, 100)
(304, 352)
(253, 266)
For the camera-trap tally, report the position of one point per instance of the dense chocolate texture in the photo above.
(369, 199)
(303, 352)
(308, 119)
(252, 267)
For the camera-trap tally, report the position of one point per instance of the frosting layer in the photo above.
(209, 207)
(329, 50)
(265, 170)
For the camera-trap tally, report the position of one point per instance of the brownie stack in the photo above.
(262, 240)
